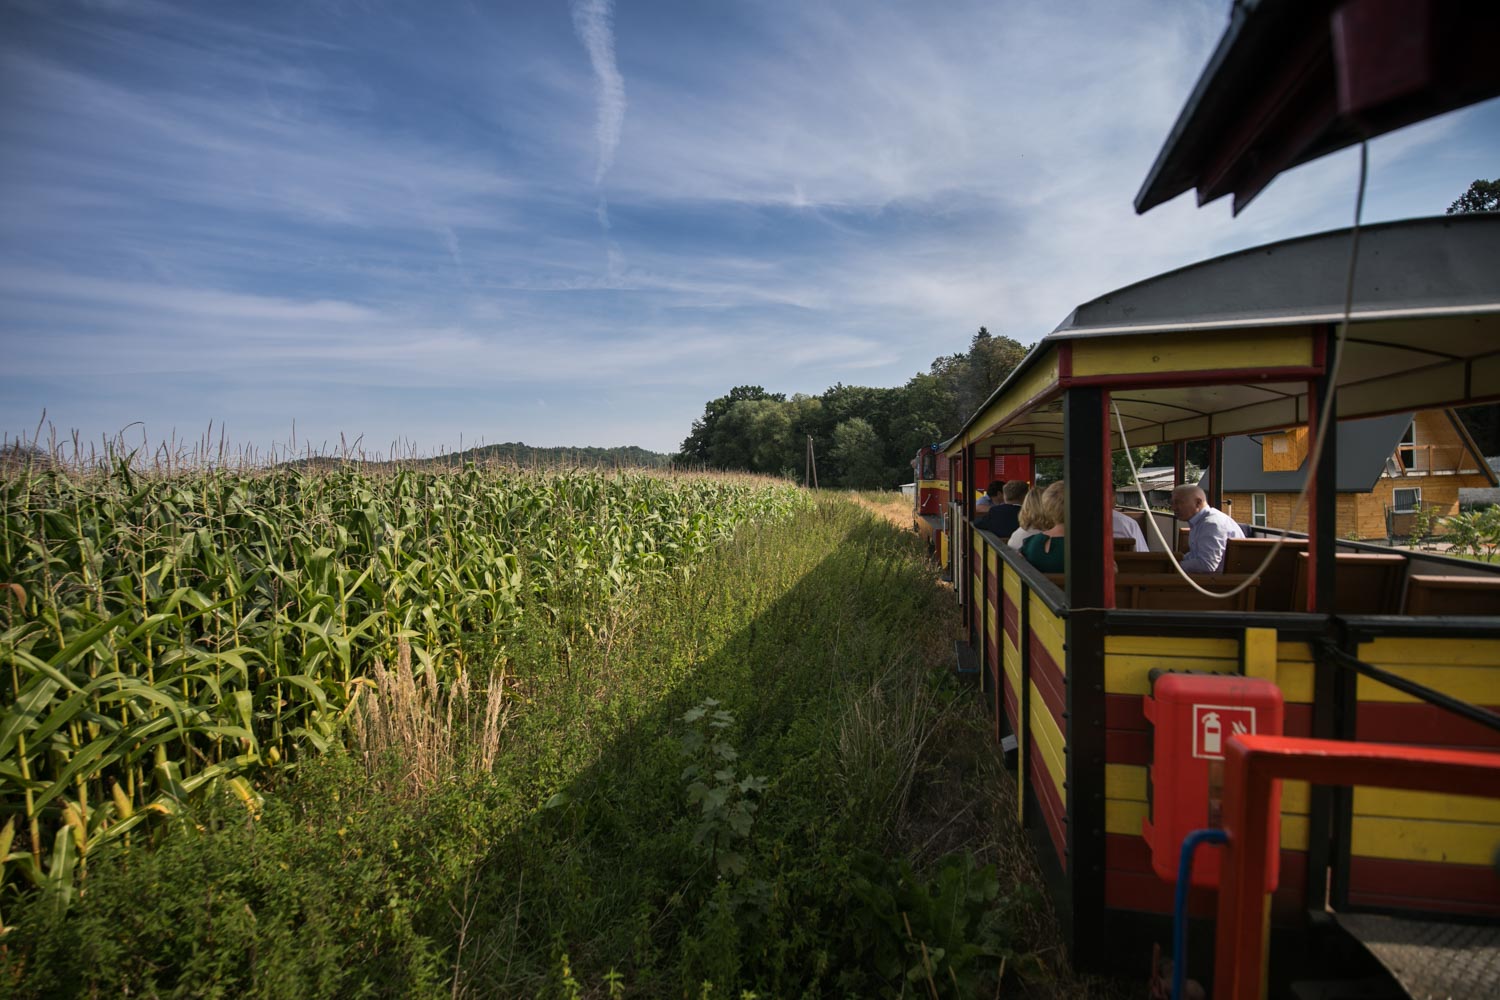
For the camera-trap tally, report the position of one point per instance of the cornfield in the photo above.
(168, 635)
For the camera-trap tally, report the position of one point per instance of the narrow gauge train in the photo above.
(930, 499)
(1391, 660)
(933, 493)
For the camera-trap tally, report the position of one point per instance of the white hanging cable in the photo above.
(1313, 457)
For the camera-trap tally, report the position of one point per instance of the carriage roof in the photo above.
(1227, 345)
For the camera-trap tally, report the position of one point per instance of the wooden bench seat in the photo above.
(1143, 562)
(1278, 581)
(1170, 592)
(1453, 595)
(1364, 583)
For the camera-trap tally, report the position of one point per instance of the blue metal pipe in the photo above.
(1179, 909)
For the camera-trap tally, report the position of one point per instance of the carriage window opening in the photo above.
(1407, 449)
(1406, 501)
(1258, 510)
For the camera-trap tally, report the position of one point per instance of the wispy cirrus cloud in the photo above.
(594, 22)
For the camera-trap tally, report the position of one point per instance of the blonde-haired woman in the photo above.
(1045, 549)
(1031, 519)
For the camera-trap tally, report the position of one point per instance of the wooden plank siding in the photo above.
(1362, 515)
(1442, 464)
(1406, 850)
(1417, 850)
(1440, 447)
(1012, 600)
(1130, 882)
(1047, 723)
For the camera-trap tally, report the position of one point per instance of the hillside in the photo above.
(515, 453)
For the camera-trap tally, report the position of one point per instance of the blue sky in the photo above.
(574, 223)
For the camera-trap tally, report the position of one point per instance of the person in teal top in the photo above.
(1046, 550)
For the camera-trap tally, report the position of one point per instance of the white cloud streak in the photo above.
(594, 22)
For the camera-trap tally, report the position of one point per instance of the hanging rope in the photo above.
(1324, 422)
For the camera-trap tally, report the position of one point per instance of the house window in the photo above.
(1406, 451)
(1258, 509)
(1407, 501)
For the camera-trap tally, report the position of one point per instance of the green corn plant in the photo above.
(166, 635)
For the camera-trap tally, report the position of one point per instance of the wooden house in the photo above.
(1390, 469)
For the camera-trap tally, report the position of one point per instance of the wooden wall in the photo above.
(1362, 515)
(1130, 882)
(1439, 445)
(1442, 464)
(1420, 850)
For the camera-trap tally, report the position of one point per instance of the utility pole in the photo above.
(812, 464)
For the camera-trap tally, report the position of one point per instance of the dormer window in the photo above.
(1284, 451)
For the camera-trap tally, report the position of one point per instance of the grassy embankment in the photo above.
(754, 778)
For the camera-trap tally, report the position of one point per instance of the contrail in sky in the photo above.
(594, 22)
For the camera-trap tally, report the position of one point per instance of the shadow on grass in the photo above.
(824, 643)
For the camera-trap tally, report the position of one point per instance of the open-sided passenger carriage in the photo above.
(1231, 346)
(1381, 657)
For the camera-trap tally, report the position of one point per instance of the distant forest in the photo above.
(525, 456)
(863, 438)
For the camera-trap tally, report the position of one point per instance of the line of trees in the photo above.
(863, 437)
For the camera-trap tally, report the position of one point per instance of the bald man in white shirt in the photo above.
(1209, 530)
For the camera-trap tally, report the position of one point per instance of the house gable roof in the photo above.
(1364, 447)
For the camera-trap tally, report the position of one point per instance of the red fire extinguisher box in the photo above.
(1194, 716)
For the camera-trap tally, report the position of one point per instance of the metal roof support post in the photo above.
(982, 646)
(1322, 501)
(961, 536)
(950, 523)
(1086, 459)
(1322, 539)
(1216, 472)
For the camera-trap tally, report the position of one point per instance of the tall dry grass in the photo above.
(434, 731)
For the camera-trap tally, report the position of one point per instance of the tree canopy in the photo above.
(863, 436)
(1482, 196)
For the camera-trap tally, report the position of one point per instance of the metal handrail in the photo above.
(1324, 649)
(1252, 765)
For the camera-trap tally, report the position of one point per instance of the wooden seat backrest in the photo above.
(1278, 582)
(1364, 583)
(1142, 562)
(1170, 592)
(1124, 545)
(1453, 595)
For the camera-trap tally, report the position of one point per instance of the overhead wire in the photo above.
(1325, 414)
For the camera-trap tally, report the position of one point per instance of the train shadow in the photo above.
(624, 867)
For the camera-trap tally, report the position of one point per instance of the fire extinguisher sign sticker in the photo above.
(1214, 724)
